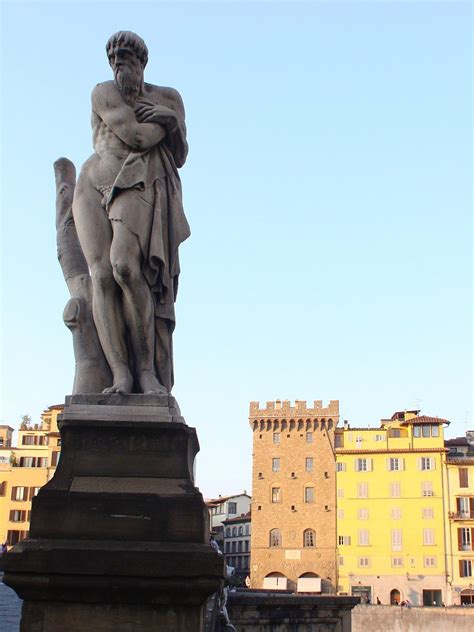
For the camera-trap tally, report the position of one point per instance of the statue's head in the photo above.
(128, 56)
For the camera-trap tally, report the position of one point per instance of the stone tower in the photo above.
(294, 496)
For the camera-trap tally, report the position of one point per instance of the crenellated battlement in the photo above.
(283, 409)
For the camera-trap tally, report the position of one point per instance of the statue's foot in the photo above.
(122, 384)
(150, 385)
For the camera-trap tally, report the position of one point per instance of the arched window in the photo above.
(395, 597)
(275, 537)
(309, 538)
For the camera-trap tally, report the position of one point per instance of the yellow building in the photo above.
(460, 524)
(24, 469)
(390, 510)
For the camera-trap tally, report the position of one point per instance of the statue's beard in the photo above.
(128, 83)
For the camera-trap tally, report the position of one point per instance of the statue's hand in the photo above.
(147, 113)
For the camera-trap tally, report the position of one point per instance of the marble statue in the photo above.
(128, 213)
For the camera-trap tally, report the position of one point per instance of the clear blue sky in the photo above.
(328, 188)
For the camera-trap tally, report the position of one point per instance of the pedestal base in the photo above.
(119, 536)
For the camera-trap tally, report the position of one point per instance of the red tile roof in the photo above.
(424, 419)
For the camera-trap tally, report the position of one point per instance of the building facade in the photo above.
(24, 469)
(224, 508)
(236, 548)
(391, 511)
(293, 504)
(460, 526)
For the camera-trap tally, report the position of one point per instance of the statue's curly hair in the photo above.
(127, 39)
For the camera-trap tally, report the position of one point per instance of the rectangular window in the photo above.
(276, 437)
(364, 562)
(428, 537)
(275, 465)
(359, 439)
(396, 513)
(429, 561)
(435, 431)
(276, 495)
(395, 464)
(3, 488)
(465, 539)
(379, 437)
(340, 513)
(28, 440)
(27, 461)
(232, 508)
(363, 465)
(19, 493)
(463, 506)
(427, 513)
(17, 516)
(425, 431)
(309, 437)
(463, 477)
(395, 490)
(427, 488)
(417, 431)
(396, 539)
(397, 562)
(338, 443)
(465, 568)
(308, 464)
(344, 540)
(340, 467)
(362, 490)
(227, 547)
(33, 492)
(309, 494)
(42, 462)
(55, 457)
(394, 433)
(426, 463)
(363, 514)
(363, 537)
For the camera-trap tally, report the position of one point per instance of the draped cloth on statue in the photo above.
(160, 226)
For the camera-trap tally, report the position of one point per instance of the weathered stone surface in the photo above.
(129, 525)
(128, 212)
(273, 612)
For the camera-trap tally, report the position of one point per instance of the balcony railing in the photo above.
(461, 515)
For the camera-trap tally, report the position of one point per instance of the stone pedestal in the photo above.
(119, 536)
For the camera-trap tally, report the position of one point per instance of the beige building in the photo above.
(460, 521)
(24, 469)
(293, 543)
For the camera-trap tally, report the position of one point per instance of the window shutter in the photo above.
(471, 507)
(402, 464)
(458, 505)
(356, 465)
(461, 569)
(369, 465)
(459, 539)
(419, 462)
(472, 539)
(388, 464)
(432, 463)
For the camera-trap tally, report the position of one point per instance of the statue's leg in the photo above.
(126, 259)
(95, 235)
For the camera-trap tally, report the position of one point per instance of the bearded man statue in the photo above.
(129, 217)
